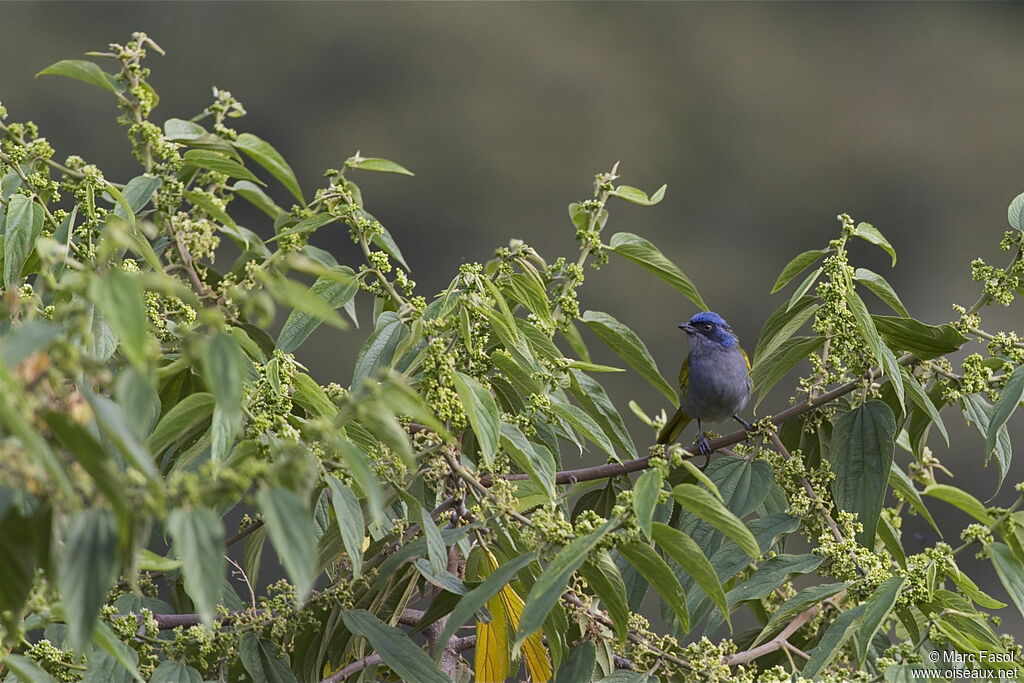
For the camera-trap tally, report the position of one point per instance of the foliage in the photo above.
(146, 408)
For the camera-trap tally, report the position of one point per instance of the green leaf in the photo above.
(222, 362)
(123, 655)
(473, 601)
(783, 324)
(137, 194)
(770, 575)
(685, 552)
(379, 350)
(147, 560)
(350, 521)
(657, 573)
(800, 291)
(904, 488)
(118, 295)
(637, 196)
(796, 266)
(785, 612)
(358, 465)
(198, 535)
(87, 568)
(219, 163)
(1015, 212)
(703, 504)
(180, 420)
(1010, 571)
(604, 578)
(375, 164)
(175, 672)
(876, 609)
(977, 410)
(920, 398)
(265, 155)
(579, 665)
(924, 341)
(861, 456)
(483, 414)
(306, 225)
(264, 661)
(22, 226)
(291, 531)
(12, 416)
(870, 233)
(300, 323)
(882, 289)
(1004, 406)
(27, 670)
(832, 642)
(868, 331)
(84, 71)
(533, 460)
(646, 490)
(550, 585)
(624, 342)
(257, 197)
(302, 299)
(115, 425)
(772, 367)
(394, 647)
(584, 424)
(595, 402)
(647, 256)
(961, 499)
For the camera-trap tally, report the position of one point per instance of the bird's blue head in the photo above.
(711, 327)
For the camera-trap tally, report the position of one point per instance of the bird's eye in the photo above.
(707, 327)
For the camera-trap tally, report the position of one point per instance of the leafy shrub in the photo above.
(144, 403)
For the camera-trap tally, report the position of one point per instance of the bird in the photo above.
(714, 381)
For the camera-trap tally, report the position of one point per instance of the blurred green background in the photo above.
(765, 120)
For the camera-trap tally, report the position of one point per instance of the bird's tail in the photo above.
(675, 425)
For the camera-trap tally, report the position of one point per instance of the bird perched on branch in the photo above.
(714, 382)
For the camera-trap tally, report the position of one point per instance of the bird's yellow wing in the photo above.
(675, 424)
(742, 353)
(684, 373)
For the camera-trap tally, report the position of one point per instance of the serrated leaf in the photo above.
(23, 224)
(647, 256)
(1004, 406)
(87, 568)
(115, 425)
(703, 504)
(882, 289)
(685, 552)
(804, 599)
(264, 154)
(924, 341)
(657, 573)
(977, 410)
(221, 364)
(628, 346)
(604, 578)
(300, 323)
(961, 499)
(876, 609)
(533, 460)
(85, 71)
(175, 672)
(772, 367)
(1010, 571)
(300, 298)
(198, 535)
(646, 491)
(585, 425)
(394, 647)
(550, 585)
(797, 265)
(599, 406)
(350, 520)
(902, 485)
(870, 233)
(376, 164)
(378, 351)
(291, 531)
(1015, 212)
(483, 414)
(263, 660)
(181, 419)
(861, 456)
(118, 295)
(211, 160)
(832, 642)
(137, 194)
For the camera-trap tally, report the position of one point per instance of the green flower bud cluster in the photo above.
(62, 665)
(269, 402)
(225, 106)
(1001, 284)
(845, 559)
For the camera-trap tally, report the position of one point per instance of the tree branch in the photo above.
(778, 642)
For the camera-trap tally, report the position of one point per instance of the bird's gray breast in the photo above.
(718, 384)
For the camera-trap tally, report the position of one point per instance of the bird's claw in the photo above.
(703, 446)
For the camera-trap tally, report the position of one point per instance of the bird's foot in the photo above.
(703, 445)
(746, 425)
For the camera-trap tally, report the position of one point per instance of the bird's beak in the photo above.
(686, 327)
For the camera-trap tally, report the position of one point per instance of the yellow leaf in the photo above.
(492, 662)
(538, 664)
